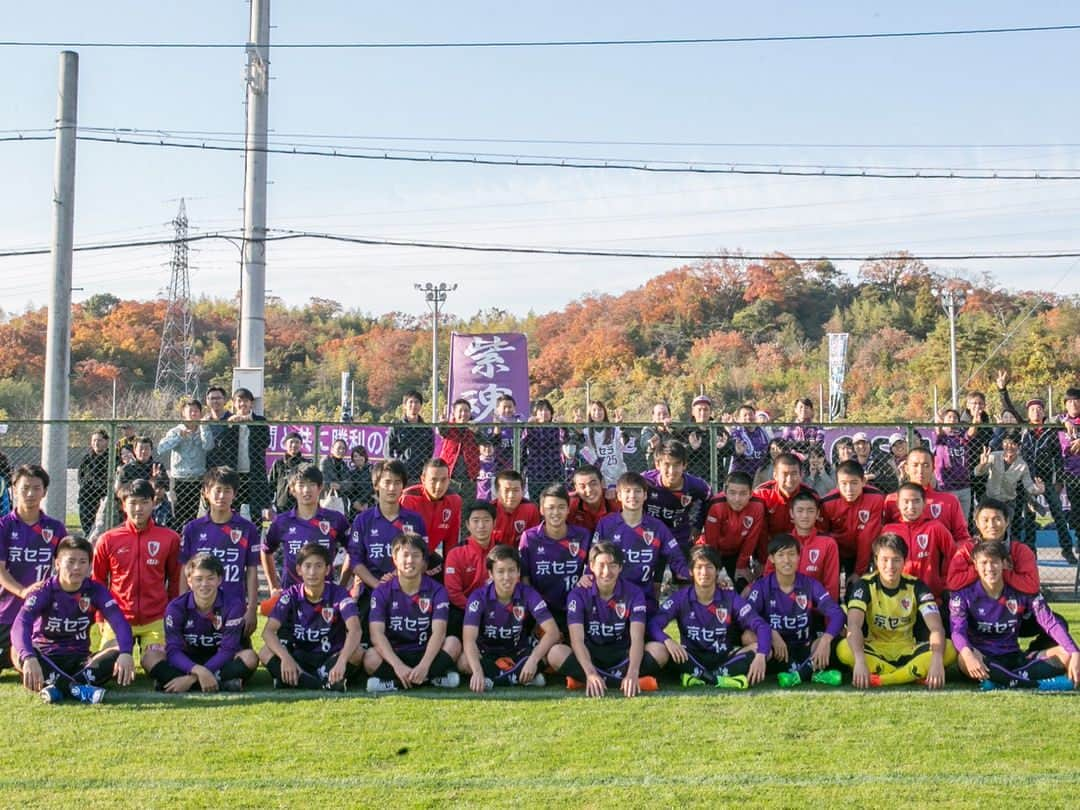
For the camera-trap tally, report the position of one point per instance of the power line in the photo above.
(614, 164)
(285, 234)
(559, 43)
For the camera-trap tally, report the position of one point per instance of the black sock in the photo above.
(648, 665)
(572, 669)
(442, 664)
(236, 669)
(163, 672)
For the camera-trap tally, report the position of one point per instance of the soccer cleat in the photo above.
(574, 683)
(689, 680)
(51, 694)
(827, 677)
(538, 680)
(1061, 683)
(988, 685)
(377, 685)
(647, 683)
(448, 681)
(87, 694)
(232, 685)
(788, 679)
(1068, 555)
(732, 682)
(340, 686)
(488, 684)
(505, 663)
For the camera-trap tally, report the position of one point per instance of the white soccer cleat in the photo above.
(378, 685)
(538, 680)
(448, 681)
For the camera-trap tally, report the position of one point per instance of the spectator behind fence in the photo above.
(879, 465)
(410, 440)
(749, 442)
(335, 470)
(975, 414)
(1008, 478)
(187, 445)
(142, 466)
(243, 447)
(951, 468)
(1041, 449)
(216, 415)
(282, 469)
(459, 449)
(93, 478)
(541, 450)
(802, 433)
(126, 441)
(356, 488)
(604, 445)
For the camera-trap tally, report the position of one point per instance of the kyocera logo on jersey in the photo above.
(864, 516)
(935, 510)
(327, 614)
(519, 612)
(324, 526)
(235, 535)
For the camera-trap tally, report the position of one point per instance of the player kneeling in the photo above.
(409, 645)
(606, 622)
(51, 634)
(710, 628)
(986, 618)
(204, 634)
(793, 605)
(497, 640)
(312, 638)
(884, 609)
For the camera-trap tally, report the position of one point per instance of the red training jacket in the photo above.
(142, 569)
(442, 517)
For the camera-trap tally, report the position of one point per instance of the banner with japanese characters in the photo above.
(838, 346)
(484, 367)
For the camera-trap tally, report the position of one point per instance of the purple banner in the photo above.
(484, 367)
(878, 436)
(371, 438)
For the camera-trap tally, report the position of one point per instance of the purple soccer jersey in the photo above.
(235, 543)
(951, 461)
(485, 480)
(328, 528)
(214, 637)
(57, 622)
(992, 626)
(372, 534)
(27, 551)
(713, 629)
(314, 627)
(682, 510)
(756, 440)
(645, 549)
(502, 628)
(407, 618)
(790, 614)
(606, 621)
(554, 567)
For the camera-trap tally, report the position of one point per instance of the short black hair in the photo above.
(75, 542)
(31, 471)
(207, 562)
(555, 491)
(740, 479)
(486, 507)
(781, 541)
(309, 550)
(890, 541)
(606, 547)
(226, 476)
(503, 552)
(139, 488)
(851, 467)
(673, 449)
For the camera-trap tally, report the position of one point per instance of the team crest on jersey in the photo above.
(722, 614)
(935, 510)
(84, 603)
(424, 603)
(747, 521)
(324, 526)
(153, 547)
(327, 614)
(519, 526)
(1012, 606)
(905, 603)
(446, 515)
(923, 540)
(216, 621)
(801, 601)
(519, 612)
(814, 554)
(686, 500)
(648, 536)
(620, 609)
(235, 535)
(573, 547)
(47, 535)
(864, 516)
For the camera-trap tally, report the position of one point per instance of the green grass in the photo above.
(544, 748)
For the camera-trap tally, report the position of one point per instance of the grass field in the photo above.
(545, 748)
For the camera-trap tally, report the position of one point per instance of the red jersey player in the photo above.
(930, 546)
(513, 514)
(735, 527)
(852, 515)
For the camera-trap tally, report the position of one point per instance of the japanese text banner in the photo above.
(484, 367)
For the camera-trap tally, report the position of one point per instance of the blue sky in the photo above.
(911, 96)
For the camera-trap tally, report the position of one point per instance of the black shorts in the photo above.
(5, 646)
(607, 656)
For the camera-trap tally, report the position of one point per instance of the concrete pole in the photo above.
(54, 434)
(435, 361)
(253, 298)
(951, 309)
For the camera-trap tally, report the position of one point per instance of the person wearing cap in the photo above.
(282, 469)
(1042, 450)
(877, 464)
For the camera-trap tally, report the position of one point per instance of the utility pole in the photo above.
(435, 295)
(952, 301)
(253, 293)
(176, 368)
(54, 432)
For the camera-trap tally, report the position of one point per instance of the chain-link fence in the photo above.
(1035, 470)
